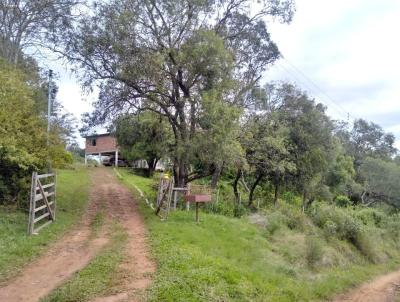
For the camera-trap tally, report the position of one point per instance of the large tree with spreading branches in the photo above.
(168, 56)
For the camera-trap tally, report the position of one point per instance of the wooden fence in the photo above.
(42, 207)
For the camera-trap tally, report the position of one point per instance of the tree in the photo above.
(27, 24)
(23, 136)
(368, 139)
(165, 56)
(381, 182)
(144, 136)
(311, 134)
(267, 146)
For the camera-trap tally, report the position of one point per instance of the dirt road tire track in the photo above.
(381, 289)
(78, 247)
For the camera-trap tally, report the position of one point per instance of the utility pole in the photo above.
(49, 101)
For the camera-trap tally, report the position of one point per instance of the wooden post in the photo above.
(116, 158)
(54, 196)
(175, 199)
(32, 203)
(197, 212)
(85, 159)
(188, 192)
(100, 163)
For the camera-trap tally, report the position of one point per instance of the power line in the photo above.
(342, 113)
(300, 72)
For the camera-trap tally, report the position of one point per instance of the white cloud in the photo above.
(350, 50)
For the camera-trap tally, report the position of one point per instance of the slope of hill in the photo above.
(279, 254)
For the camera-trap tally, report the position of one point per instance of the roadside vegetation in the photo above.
(16, 247)
(304, 205)
(276, 254)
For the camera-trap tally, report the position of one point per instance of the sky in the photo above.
(345, 53)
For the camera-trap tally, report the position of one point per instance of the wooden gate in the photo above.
(42, 202)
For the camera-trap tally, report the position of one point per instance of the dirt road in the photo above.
(138, 266)
(75, 250)
(382, 289)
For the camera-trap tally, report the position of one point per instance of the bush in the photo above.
(275, 221)
(363, 242)
(342, 201)
(347, 226)
(314, 250)
(371, 217)
(295, 219)
(330, 229)
(291, 198)
(239, 210)
(393, 227)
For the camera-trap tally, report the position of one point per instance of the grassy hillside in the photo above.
(279, 254)
(16, 247)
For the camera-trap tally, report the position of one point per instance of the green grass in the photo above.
(146, 185)
(17, 248)
(97, 278)
(229, 259)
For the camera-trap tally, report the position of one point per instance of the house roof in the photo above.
(97, 135)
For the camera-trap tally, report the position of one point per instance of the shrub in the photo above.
(239, 210)
(362, 241)
(393, 227)
(371, 217)
(314, 250)
(291, 198)
(295, 219)
(342, 201)
(330, 229)
(347, 226)
(275, 221)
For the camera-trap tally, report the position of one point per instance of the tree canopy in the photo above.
(166, 56)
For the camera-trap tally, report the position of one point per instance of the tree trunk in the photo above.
(253, 187)
(151, 163)
(277, 189)
(235, 185)
(215, 176)
(304, 201)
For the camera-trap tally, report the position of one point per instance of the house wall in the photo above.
(103, 144)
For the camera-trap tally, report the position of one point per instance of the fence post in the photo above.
(54, 196)
(32, 203)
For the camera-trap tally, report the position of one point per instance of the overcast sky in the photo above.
(345, 53)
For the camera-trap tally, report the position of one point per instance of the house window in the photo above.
(93, 142)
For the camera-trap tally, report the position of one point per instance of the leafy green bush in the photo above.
(295, 219)
(370, 216)
(342, 201)
(23, 137)
(291, 198)
(330, 229)
(239, 210)
(347, 226)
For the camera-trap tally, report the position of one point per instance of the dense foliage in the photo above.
(23, 136)
(184, 60)
(144, 137)
(195, 65)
